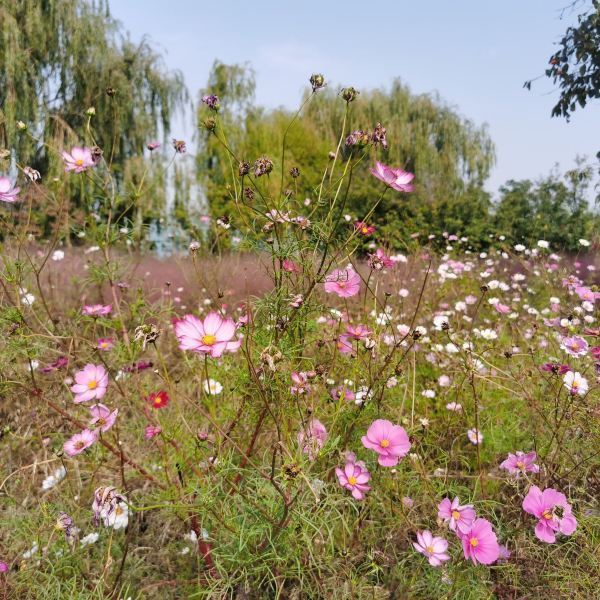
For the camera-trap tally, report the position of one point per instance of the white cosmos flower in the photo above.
(213, 387)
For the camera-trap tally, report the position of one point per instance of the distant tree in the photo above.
(450, 155)
(555, 209)
(60, 57)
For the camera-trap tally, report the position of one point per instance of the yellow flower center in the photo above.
(474, 542)
(209, 340)
(455, 515)
(352, 480)
(429, 549)
(384, 443)
(521, 465)
(92, 385)
(365, 230)
(547, 514)
(79, 162)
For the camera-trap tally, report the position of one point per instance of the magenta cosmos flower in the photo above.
(102, 417)
(354, 477)
(313, 438)
(434, 548)
(520, 462)
(552, 510)
(480, 543)
(343, 282)
(79, 160)
(458, 517)
(397, 179)
(79, 442)
(213, 336)
(90, 383)
(8, 193)
(96, 310)
(388, 440)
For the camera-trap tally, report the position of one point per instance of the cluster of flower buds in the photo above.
(262, 166)
(65, 523)
(317, 81)
(212, 101)
(349, 94)
(360, 138)
(179, 146)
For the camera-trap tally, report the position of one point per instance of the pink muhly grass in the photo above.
(388, 440)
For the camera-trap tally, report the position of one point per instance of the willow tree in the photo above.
(61, 60)
(450, 155)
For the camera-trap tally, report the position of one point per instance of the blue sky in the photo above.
(475, 53)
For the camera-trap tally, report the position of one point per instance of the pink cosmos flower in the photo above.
(212, 336)
(354, 477)
(105, 344)
(574, 346)
(585, 293)
(503, 309)
(290, 266)
(397, 179)
(358, 332)
(102, 417)
(454, 406)
(475, 437)
(480, 543)
(379, 260)
(519, 463)
(434, 548)
(3, 567)
(79, 442)
(300, 384)
(152, 431)
(343, 282)
(388, 440)
(458, 517)
(313, 438)
(575, 383)
(158, 399)
(96, 310)
(552, 510)
(341, 392)
(90, 383)
(344, 345)
(79, 160)
(8, 193)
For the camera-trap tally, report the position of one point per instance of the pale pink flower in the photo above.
(397, 179)
(212, 336)
(575, 383)
(152, 431)
(354, 477)
(102, 417)
(96, 310)
(379, 260)
(388, 440)
(79, 442)
(480, 543)
(454, 406)
(434, 548)
(105, 344)
(8, 193)
(90, 383)
(475, 437)
(79, 160)
(552, 510)
(458, 517)
(358, 332)
(520, 462)
(343, 282)
(300, 384)
(574, 346)
(313, 438)
(503, 309)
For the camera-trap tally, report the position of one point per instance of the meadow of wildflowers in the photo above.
(322, 422)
